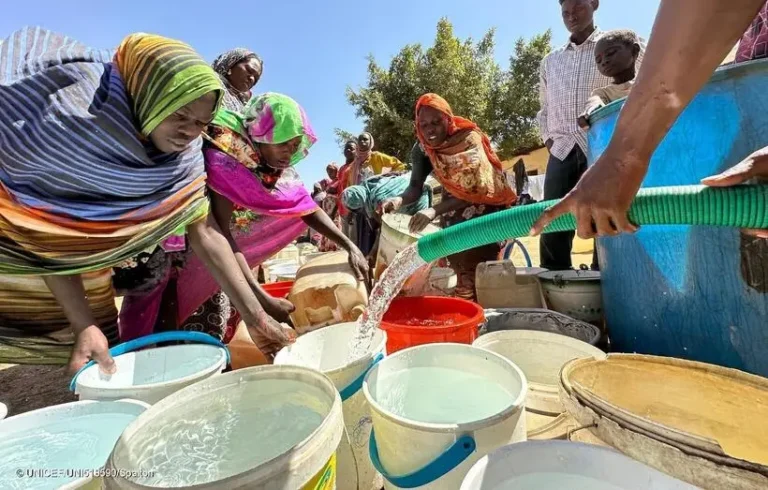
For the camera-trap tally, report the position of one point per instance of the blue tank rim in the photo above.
(727, 71)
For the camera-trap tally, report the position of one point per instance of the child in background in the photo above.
(616, 56)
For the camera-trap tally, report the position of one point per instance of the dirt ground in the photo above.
(24, 388)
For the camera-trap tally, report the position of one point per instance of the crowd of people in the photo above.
(148, 173)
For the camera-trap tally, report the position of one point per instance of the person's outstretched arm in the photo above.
(689, 40)
(209, 243)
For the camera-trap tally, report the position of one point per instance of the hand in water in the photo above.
(270, 336)
(754, 166)
(280, 309)
(421, 219)
(91, 344)
(391, 205)
(602, 197)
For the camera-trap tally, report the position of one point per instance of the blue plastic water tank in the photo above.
(679, 291)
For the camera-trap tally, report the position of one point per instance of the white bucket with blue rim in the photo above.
(327, 350)
(63, 446)
(152, 374)
(437, 409)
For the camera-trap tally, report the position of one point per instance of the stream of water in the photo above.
(405, 264)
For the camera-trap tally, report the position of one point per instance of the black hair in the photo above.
(624, 36)
(350, 142)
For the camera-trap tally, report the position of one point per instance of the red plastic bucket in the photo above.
(412, 321)
(278, 289)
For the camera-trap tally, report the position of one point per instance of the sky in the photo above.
(313, 50)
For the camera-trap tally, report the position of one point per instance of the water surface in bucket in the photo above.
(405, 264)
(63, 448)
(442, 395)
(221, 436)
(555, 481)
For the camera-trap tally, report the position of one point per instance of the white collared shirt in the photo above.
(568, 76)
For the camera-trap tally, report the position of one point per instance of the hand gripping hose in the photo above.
(739, 207)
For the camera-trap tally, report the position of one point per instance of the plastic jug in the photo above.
(395, 237)
(326, 292)
(500, 284)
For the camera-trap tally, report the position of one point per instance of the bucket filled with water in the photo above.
(437, 409)
(541, 356)
(265, 427)
(63, 445)
(552, 465)
(705, 424)
(328, 350)
(150, 375)
(412, 321)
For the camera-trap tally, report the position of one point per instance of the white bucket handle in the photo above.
(132, 345)
(357, 384)
(446, 462)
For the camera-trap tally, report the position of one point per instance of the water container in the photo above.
(701, 423)
(3, 410)
(150, 375)
(290, 252)
(393, 238)
(71, 440)
(278, 289)
(266, 427)
(442, 282)
(273, 268)
(328, 351)
(326, 292)
(679, 290)
(541, 356)
(540, 320)
(500, 284)
(412, 321)
(433, 454)
(574, 293)
(560, 465)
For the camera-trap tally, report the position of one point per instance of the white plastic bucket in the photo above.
(327, 350)
(541, 356)
(152, 374)
(62, 446)
(561, 465)
(233, 431)
(416, 454)
(393, 239)
(3, 410)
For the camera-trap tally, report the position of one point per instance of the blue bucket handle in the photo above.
(132, 345)
(450, 459)
(355, 385)
(526, 255)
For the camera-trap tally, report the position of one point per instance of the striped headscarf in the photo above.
(161, 76)
(234, 100)
(82, 187)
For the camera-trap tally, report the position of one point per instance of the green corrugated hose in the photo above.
(738, 207)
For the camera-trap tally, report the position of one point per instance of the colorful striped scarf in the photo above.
(82, 187)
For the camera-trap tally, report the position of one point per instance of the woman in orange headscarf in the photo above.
(460, 157)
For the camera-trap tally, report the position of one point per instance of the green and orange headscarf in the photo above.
(161, 76)
(465, 163)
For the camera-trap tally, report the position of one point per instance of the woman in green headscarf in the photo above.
(366, 198)
(261, 206)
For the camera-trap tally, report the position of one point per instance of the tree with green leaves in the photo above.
(465, 73)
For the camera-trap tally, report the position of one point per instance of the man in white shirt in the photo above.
(568, 76)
